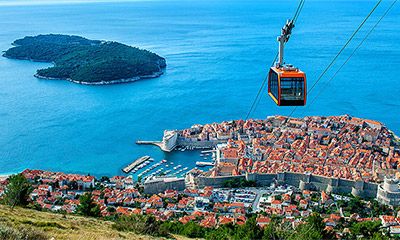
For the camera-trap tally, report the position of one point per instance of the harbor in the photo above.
(175, 164)
(135, 164)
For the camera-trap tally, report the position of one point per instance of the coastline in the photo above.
(117, 81)
(4, 176)
(161, 68)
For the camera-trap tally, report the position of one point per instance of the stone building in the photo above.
(160, 184)
(389, 193)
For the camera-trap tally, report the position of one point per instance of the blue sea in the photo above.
(217, 52)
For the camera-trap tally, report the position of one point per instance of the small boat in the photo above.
(203, 164)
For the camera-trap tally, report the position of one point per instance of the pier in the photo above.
(208, 151)
(134, 164)
(156, 143)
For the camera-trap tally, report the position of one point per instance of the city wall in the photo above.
(217, 181)
(302, 181)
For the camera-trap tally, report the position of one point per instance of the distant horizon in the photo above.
(54, 2)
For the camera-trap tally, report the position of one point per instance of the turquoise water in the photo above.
(217, 55)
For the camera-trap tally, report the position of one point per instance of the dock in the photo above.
(203, 164)
(136, 163)
(207, 151)
(156, 143)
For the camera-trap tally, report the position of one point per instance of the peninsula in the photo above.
(85, 61)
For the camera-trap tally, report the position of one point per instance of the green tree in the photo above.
(270, 231)
(17, 191)
(314, 228)
(223, 232)
(366, 229)
(87, 207)
(193, 230)
(249, 230)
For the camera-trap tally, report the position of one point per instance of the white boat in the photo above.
(203, 164)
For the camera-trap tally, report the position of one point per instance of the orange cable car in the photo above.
(286, 84)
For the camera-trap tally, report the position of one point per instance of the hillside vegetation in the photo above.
(45, 225)
(87, 61)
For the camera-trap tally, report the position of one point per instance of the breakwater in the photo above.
(134, 164)
(301, 181)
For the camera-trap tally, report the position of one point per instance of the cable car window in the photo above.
(292, 88)
(274, 84)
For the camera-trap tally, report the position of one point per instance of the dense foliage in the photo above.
(313, 228)
(87, 207)
(84, 60)
(357, 205)
(17, 191)
(241, 183)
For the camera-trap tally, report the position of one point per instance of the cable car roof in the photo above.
(294, 72)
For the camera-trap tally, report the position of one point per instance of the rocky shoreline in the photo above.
(117, 81)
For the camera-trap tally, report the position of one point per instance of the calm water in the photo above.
(217, 56)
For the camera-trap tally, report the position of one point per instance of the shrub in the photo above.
(11, 233)
(140, 224)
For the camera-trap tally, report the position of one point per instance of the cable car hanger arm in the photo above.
(282, 39)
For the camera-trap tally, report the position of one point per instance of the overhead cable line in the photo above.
(257, 98)
(340, 52)
(355, 49)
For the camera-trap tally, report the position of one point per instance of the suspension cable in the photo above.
(354, 51)
(257, 98)
(340, 52)
(296, 15)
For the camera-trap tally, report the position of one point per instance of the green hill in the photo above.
(23, 223)
(87, 61)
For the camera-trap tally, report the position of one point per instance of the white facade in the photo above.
(169, 140)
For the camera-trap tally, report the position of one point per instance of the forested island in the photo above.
(85, 61)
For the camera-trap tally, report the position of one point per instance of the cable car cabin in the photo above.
(287, 86)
